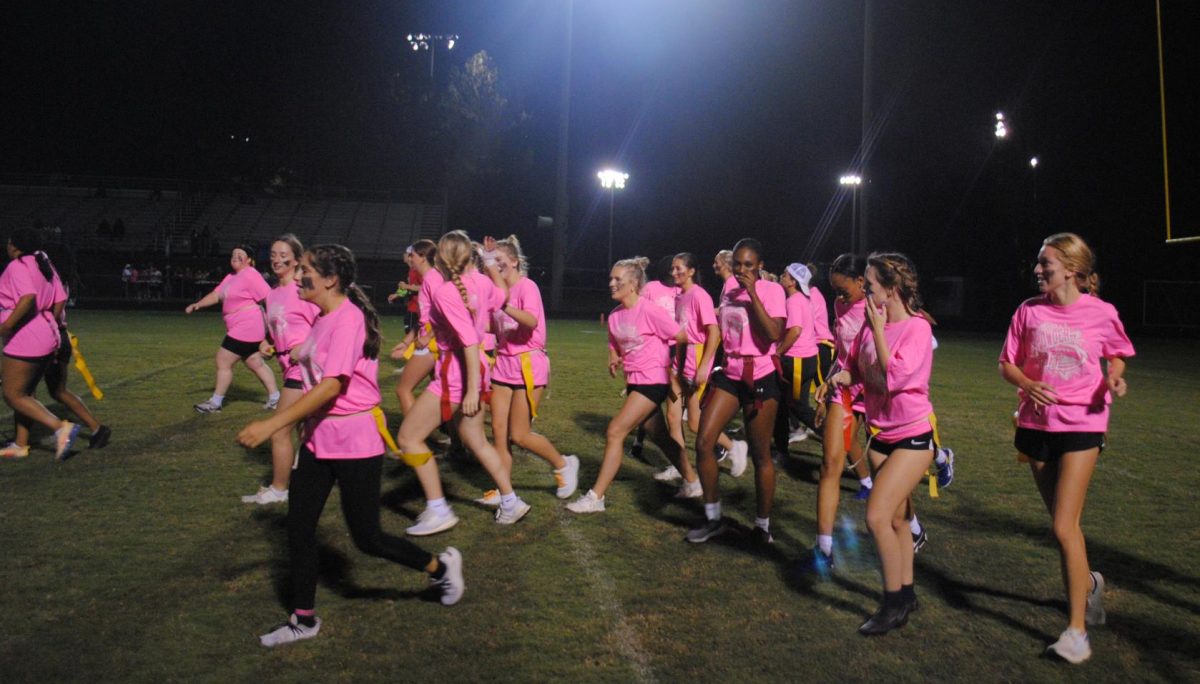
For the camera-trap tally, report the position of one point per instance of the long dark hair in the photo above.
(29, 241)
(849, 265)
(337, 260)
(689, 261)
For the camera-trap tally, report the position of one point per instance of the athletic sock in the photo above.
(940, 459)
(866, 482)
(273, 396)
(914, 525)
(509, 499)
(712, 511)
(825, 541)
(907, 593)
(217, 399)
(438, 505)
(308, 618)
(893, 598)
(763, 523)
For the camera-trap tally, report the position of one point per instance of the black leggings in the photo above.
(795, 408)
(358, 479)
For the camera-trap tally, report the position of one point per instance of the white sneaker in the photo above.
(588, 503)
(266, 495)
(14, 450)
(289, 632)
(451, 584)
(64, 439)
(271, 404)
(490, 498)
(1072, 646)
(738, 458)
(667, 474)
(798, 435)
(207, 406)
(432, 522)
(690, 490)
(567, 477)
(1095, 602)
(508, 516)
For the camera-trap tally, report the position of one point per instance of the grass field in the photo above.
(138, 562)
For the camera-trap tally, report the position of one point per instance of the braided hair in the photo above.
(895, 270)
(1077, 256)
(454, 255)
(337, 260)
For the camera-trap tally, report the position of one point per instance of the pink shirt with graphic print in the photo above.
(897, 401)
(1062, 346)
(742, 343)
(289, 319)
(642, 337)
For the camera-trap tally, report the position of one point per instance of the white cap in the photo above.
(801, 274)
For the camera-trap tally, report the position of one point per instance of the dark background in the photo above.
(733, 118)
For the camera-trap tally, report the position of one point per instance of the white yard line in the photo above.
(604, 592)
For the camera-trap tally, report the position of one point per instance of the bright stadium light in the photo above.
(1033, 162)
(1001, 126)
(426, 41)
(852, 181)
(611, 180)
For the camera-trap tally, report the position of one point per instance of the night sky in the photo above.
(733, 118)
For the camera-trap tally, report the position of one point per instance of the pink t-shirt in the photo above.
(456, 328)
(240, 295)
(694, 311)
(730, 283)
(39, 335)
(898, 403)
(512, 338)
(820, 314)
(343, 428)
(289, 318)
(642, 337)
(738, 335)
(431, 281)
(800, 314)
(850, 320)
(662, 295)
(1062, 346)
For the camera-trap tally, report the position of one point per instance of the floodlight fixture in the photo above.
(851, 179)
(1033, 162)
(611, 179)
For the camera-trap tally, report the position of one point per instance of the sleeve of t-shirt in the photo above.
(1013, 351)
(913, 349)
(531, 300)
(661, 323)
(449, 303)
(774, 300)
(22, 280)
(1115, 342)
(852, 354)
(612, 341)
(60, 293)
(219, 290)
(345, 349)
(259, 288)
(702, 309)
(496, 295)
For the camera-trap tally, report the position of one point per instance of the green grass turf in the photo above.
(138, 562)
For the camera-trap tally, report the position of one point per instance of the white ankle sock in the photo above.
(866, 482)
(914, 525)
(509, 499)
(825, 541)
(438, 505)
(217, 399)
(763, 523)
(712, 511)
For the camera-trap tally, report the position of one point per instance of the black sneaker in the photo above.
(708, 530)
(887, 618)
(761, 536)
(919, 540)
(99, 438)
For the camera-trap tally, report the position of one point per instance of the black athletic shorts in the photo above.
(921, 442)
(513, 385)
(765, 388)
(655, 393)
(292, 383)
(1050, 446)
(244, 350)
(33, 359)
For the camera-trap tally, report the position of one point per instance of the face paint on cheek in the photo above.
(306, 283)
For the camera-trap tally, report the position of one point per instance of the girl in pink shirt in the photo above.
(29, 292)
(797, 354)
(751, 319)
(289, 320)
(423, 356)
(663, 292)
(839, 411)
(1053, 355)
(522, 370)
(240, 295)
(461, 308)
(893, 356)
(339, 369)
(694, 362)
(639, 337)
(826, 349)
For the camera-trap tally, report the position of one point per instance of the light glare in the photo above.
(612, 179)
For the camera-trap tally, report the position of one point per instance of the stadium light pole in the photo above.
(853, 181)
(425, 41)
(611, 180)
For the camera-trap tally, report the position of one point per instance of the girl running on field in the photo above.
(461, 308)
(694, 363)
(30, 291)
(892, 358)
(421, 359)
(522, 370)
(407, 290)
(289, 320)
(339, 369)
(751, 318)
(639, 337)
(1052, 354)
(797, 354)
(840, 410)
(240, 295)
(664, 292)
